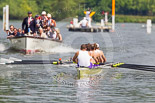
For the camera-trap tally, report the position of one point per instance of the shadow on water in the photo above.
(11, 50)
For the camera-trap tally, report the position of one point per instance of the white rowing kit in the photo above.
(84, 58)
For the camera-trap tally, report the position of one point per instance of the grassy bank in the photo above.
(133, 19)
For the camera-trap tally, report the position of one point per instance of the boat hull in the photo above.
(30, 44)
(84, 72)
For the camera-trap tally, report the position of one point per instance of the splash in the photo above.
(63, 49)
(2, 47)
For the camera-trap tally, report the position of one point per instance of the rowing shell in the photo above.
(84, 72)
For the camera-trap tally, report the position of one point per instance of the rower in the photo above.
(82, 57)
(99, 53)
(93, 53)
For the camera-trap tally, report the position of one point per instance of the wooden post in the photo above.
(6, 17)
(113, 15)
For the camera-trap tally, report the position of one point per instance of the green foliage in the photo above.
(61, 9)
(133, 19)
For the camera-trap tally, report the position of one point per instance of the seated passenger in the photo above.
(50, 21)
(54, 33)
(59, 36)
(42, 34)
(10, 31)
(16, 33)
(20, 32)
(71, 23)
(49, 32)
(84, 23)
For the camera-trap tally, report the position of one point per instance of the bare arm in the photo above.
(75, 57)
(103, 57)
(59, 36)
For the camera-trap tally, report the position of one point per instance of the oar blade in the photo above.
(135, 66)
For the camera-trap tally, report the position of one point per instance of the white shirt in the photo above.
(87, 15)
(84, 22)
(84, 58)
(54, 36)
(29, 20)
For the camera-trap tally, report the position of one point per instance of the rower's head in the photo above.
(29, 14)
(92, 47)
(88, 46)
(83, 47)
(96, 45)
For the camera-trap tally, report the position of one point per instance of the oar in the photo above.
(3, 61)
(19, 61)
(135, 66)
(29, 61)
(121, 65)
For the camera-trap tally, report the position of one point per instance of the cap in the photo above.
(36, 16)
(97, 45)
(48, 15)
(29, 12)
(43, 13)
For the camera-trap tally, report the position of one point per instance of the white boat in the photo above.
(30, 44)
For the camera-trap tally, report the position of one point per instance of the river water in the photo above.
(54, 84)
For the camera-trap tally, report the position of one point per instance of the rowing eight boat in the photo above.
(82, 71)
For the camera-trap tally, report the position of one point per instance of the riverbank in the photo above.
(133, 19)
(123, 19)
(119, 19)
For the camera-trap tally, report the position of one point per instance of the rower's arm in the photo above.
(75, 57)
(103, 57)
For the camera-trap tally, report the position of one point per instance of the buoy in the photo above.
(148, 26)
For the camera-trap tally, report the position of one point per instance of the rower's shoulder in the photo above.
(77, 52)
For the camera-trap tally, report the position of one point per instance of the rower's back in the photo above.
(84, 58)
